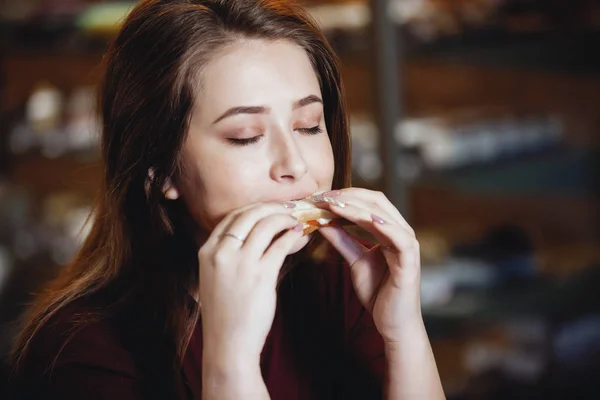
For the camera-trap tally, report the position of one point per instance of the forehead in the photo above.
(257, 72)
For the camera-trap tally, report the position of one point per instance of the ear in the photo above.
(169, 190)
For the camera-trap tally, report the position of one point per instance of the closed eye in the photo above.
(315, 130)
(311, 131)
(244, 142)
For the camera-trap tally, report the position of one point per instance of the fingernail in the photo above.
(298, 228)
(334, 202)
(317, 198)
(377, 219)
(289, 204)
(332, 193)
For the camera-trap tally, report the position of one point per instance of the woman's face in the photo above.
(257, 132)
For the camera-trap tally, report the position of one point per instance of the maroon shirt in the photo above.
(322, 345)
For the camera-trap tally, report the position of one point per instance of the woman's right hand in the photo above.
(239, 268)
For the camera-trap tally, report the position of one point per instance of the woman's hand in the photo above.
(386, 277)
(239, 267)
(387, 281)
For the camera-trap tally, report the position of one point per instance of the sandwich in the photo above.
(312, 217)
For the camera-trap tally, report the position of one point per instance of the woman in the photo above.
(195, 281)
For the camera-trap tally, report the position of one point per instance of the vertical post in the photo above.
(386, 69)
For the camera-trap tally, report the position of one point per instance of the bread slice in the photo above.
(311, 216)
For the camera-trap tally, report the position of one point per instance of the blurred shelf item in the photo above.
(536, 299)
(67, 72)
(429, 20)
(478, 139)
(74, 25)
(341, 16)
(56, 128)
(549, 299)
(514, 34)
(50, 126)
(366, 162)
(523, 330)
(473, 152)
(533, 35)
(104, 18)
(563, 173)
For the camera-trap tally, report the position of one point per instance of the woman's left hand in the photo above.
(386, 277)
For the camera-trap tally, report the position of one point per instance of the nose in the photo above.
(288, 161)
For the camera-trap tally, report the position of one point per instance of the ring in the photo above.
(241, 239)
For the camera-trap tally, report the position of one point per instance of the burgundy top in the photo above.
(322, 345)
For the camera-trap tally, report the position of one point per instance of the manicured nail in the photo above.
(334, 202)
(289, 204)
(331, 193)
(377, 219)
(317, 198)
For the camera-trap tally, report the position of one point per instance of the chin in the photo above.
(300, 244)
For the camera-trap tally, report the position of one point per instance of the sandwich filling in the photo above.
(312, 217)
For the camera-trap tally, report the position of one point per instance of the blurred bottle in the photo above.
(44, 108)
(366, 160)
(82, 126)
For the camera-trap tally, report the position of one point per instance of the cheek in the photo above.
(320, 160)
(219, 185)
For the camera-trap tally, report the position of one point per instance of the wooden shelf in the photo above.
(21, 73)
(564, 230)
(567, 53)
(41, 176)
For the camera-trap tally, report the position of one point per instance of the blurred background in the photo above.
(480, 119)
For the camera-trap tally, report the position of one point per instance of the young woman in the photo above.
(196, 280)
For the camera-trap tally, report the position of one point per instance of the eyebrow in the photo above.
(265, 110)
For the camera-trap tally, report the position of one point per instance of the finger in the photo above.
(377, 199)
(241, 221)
(264, 231)
(363, 215)
(367, 267)
(402, 256)
(346, 245)
(399, 247)
(280, 248)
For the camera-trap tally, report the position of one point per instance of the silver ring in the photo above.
(241, 239)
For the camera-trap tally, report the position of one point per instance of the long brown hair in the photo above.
(153, 71)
